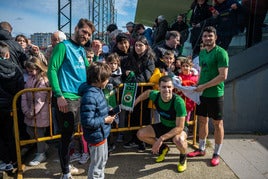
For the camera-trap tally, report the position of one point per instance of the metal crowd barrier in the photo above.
(21, 143)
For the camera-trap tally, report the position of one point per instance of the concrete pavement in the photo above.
(246, 155)
(242, 156)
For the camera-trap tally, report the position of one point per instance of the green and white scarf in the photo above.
(129, 96)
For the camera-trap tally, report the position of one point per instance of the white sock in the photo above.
(217, 149)
(202, 144)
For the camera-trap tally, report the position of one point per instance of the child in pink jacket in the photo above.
(36, 109)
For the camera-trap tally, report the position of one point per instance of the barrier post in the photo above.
(16, 127)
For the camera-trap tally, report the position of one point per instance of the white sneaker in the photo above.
(75, 157)
(84, 158)
(73, 170)
(66, 176)
(39, 157)
(3, 166)
(6, 167)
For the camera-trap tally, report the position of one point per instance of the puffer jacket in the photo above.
(93, 110)
(39, 105)
(11, 82)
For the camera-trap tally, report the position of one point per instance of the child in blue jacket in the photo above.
(95, 120)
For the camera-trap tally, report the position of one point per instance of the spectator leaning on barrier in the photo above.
(66, 72)
(36, 110)
(140, 65)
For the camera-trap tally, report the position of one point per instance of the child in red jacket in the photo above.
(188, 78)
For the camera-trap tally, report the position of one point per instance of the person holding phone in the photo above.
(95, 118)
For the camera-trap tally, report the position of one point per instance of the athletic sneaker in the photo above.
(6, 167)
(2, 164)
(111, 148)
(73, 170)
(162, 155)
(215, 160)
(182, 165)
(66, 176)
(196, 153)
(141, 147)
(39, 157)
(130, 145)
(84, 158)
(75, 157)
(9, 167)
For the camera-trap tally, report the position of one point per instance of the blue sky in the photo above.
(29, 16)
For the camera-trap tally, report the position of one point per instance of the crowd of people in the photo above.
(83, 71)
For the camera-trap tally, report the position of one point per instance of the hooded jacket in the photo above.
(93, 110)
(17, 55)
(11, 82)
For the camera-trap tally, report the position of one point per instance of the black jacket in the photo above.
(11, 82)
(142, 67)
(17, 55)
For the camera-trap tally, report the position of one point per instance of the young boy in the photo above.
(113, 60)
(168, 59)
(90, 54)
(95, 120)
(166, 69)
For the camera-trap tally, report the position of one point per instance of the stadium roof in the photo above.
(148, 10)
